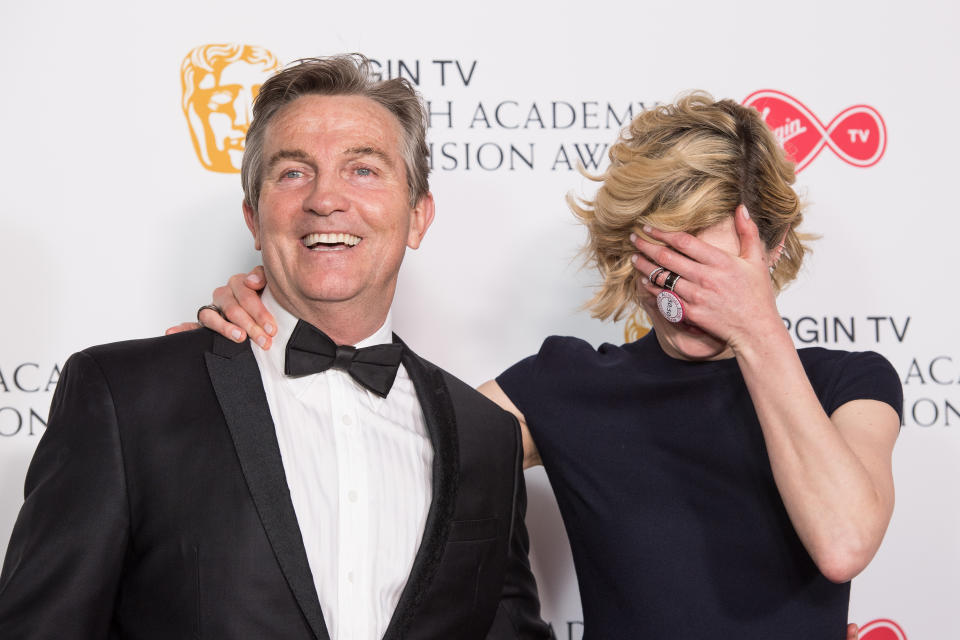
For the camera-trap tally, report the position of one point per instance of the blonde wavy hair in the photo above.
(685, 167)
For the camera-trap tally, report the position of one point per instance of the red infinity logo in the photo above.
(882, 630)
(857, 134)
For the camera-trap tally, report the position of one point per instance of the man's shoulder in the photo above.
(465, 398)
(163, 354)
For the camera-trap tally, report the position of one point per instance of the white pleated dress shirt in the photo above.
(359, 468)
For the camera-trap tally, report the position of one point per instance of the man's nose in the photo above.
(328, 196)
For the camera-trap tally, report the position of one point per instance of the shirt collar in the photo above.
(287, 322)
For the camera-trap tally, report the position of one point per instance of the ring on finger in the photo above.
(670, 306)
(671, 281)
(212, 307)
(666, 276)
(655, 273)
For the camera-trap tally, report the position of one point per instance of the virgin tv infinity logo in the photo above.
(882, 630)
(857, 134)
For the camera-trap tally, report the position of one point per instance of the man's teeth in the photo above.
(313, 239)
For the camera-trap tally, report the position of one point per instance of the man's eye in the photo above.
(293, 173)
(363, 171)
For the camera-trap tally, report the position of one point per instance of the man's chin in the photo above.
(311, 296)
(337, 292)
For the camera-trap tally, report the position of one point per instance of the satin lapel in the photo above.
(441, 424)
(239, 388)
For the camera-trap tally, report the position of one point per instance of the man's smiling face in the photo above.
(334, 217)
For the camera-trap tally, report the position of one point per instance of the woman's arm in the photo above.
(531, 457)
(833, 473)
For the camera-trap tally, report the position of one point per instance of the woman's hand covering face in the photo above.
(724, 282)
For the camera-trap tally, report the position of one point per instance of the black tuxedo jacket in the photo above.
(157, 507)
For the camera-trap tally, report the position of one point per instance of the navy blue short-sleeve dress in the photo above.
(660, 471)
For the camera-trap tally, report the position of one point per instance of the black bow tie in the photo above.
(310, 350)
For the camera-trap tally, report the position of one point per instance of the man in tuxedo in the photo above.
(335, 487)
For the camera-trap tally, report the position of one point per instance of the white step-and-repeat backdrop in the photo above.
(121, 203)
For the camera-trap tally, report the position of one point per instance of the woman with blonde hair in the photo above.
(714, 480)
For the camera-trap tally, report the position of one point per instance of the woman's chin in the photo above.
(693, 343)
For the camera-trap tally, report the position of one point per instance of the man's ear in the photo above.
(421, 216)
(250, 217)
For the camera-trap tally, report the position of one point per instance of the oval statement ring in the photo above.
(670, 306)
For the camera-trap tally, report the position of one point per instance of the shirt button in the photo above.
(350, 577)
(352, 495)
(346, 420)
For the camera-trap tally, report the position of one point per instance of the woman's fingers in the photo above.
(683, 288)
(235, 299)
(668, 259)
(689, 245)
(183, 326)
(212, 320)
(247, 289)
(239, 301)
(256, 279)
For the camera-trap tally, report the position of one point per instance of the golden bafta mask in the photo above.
(219, 83)
(638, 325)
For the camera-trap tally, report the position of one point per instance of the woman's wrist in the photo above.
(763, 340)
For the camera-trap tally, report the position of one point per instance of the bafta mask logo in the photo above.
(638, 325)
(219, 83)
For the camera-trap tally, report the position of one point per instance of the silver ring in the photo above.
(671, 281)
(654, 274)
(212, 307)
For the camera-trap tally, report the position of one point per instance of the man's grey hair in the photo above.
(341, 75)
